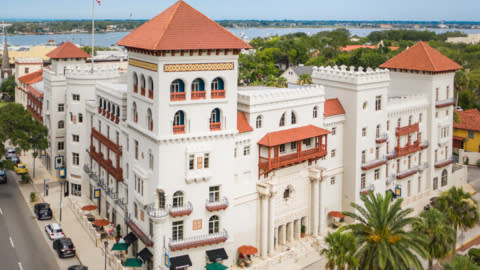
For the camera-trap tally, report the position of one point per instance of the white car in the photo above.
(54, 231)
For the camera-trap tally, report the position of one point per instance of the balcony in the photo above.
(142, 91)
(179, 211)
(407, 149)
(443, 163)
(424, 145)
(367, 190)
(121, 203)
(400, 131)
(154, 211)
(135, 88)
(216, 205)
(444, 103)
(215, 126)
(179, 129)
(177, 96)
(116, 172)
(94, 177)
(294, 158)
(86, 169)
(374, 163)
(423, 166)
(407, 173)
(150, 93)
(198, 241)
(112, 194)
(101, 184)
(198, 94)
(382, 138)
(218, 94)
(391, 178)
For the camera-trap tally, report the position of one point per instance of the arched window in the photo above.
(142, 81)
(378, 131)
(217, 84)
(161, 199)
(282, 120)
(399, 122)
(444, 177)
(135, 82)
(104, 104)
(177, 199)
(215, 123)
(61, 124)
(410, 120)
(135, 210)
(198, 85)
(213, 224)
(150, 87)
(118, 111)
(315, 112)
(179, 123)
(108, 106)
(100, 102)
(177, 90)
(149, 119)
(134, 112)
(293, 118)
(259, 121)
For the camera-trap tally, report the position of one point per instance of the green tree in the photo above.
(382, 229)
(340, 251)
(460, 209)
(305, 79)
(8, 86)
(441, 235)
(461, 263)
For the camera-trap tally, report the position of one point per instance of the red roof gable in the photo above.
(68, 50)
(332, 107)
(32, 78)
(181, 27)
(292, 135)
(468, 120)
(421, 57)
(242, 123)
(373, 47)
(35, 92)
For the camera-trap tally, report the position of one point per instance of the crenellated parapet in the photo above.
(85, 70)
(350, 74)
(260, 95)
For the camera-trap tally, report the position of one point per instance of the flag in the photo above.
(99, 3)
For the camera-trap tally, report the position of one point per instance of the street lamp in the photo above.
(106, 246)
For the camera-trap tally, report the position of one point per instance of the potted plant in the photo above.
(117, 235)
(303, 229)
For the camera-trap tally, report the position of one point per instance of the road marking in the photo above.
(11, 242)
(1, 212)
(20, 265)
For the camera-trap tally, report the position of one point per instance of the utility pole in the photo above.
(61, 195)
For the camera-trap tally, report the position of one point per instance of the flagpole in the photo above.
(93, 32)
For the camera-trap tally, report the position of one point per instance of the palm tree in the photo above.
(441, 235)
(340, 251)
(304, 79)
(460, 209)
(461, 263)
(381, 231)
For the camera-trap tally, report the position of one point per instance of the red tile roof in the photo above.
(242, 123)
(35, 92)
(32, 78)
(68, 50)
(292, 135)
(181, 27)
(332, 107)
(421, 57)
(349, 48)
(468, 120)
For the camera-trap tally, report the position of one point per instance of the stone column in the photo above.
(316, 199)
(264, 225)
(281, 234)
(271, 204)
(290, 231)
(322, 207)
(276, 237)
(297, 225)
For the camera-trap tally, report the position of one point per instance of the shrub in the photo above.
(474, 254)
(26, 178)
(33, 196)
(478, 163)
(303, 229)
(467, 161)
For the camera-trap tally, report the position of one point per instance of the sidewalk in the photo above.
(88, 254)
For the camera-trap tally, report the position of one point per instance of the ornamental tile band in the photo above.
(198, 67)
(143, 64)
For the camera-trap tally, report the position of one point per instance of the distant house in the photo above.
(466, 133)
(292, 74)
(349, 48)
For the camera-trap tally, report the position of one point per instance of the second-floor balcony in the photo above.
(121, 202)
(116, 172)
(407, 149)
(381, 138)
(86, 169)
(444, 103)
(374, 163)
(215, 125)
(177, 96)
(216, 205)
(443, 163)
(101, 184)
(178, 129)
(423, 166)
(218, 93)
(407, 173)
(400, 131)
(198, 94)
(198, 241)
(180, 210)
(111, 193)
(156, 212)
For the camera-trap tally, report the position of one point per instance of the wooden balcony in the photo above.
(268, 165)
(218, 94)
(198, 241)
(142, 91)
(213, 206)
(135, 88)
(179, 129)
(150, 93)
(177, 96)
(117, 149)
(116, 172)
(408, 149)
(198, 94)
(382, 138)
(215, 126)
(400, 131)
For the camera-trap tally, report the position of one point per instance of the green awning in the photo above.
(120, 246)
(133, 262)
(215, 266)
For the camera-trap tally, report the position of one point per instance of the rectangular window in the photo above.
(419, 184)
(436, 94)
(333, 153)
(388, 125)
(206, 160)
(76, 97)
(448, 92)
(409, 188)
(177, 230)
(378, 103)
(364, 132)
(80, 118)
(136, 149)
(307, 142)
(235, 152)
(199, 163)
(334, 131)
(293, 145)
(60, 145)
(214, 194)
(377, 174)
(61, 107)
(26, 70)
(364, 156)
(398, 165)
(470, 134)
(76, 138)
(246, 150)
(191, 162)
(409, 162)
(282, 148)
(75, 159)
(377, 153)
(117, 138)
(150, 161)
(332, 180)
(435, 183)
(363, 181)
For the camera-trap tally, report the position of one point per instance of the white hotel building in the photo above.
(192, 166)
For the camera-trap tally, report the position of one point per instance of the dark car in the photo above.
(42, 211)
(14, 159)
(64, 247)
(77, 267)
(3, 177)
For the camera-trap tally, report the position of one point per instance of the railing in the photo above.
(121, 203)
(179, 129)
(198, 94)
(154, 212)
(406, 129)
(183, 210)
(216, 205)
(142, 91)
(218, 94)
(107, 142)
(381, 138)
(424, 144)
(407, 149)
(198, 241)
(391, 178)
(106, 164)
(94, 177)
(215, 125)
(423, 166)
(367, 190)
(86, 168)
(112, 194)
(374, 163)
(443, 163)
(135, 88)
(445, 103)
(285, 160)
(101, 184)
(407, 173)
(150, 93)
(175, 96)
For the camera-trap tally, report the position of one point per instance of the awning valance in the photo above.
(336, 214)
(138, 232)
(292, 135)
(180, 262)
(144, 255)
(216, 255)
(133, 262)
(130, 238)
(119, 246)
(457, 138)
(215, 266)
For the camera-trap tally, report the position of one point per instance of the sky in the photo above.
(418, 10)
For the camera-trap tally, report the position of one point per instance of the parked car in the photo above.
(3, 177)
(14, 159)
(10, 152)
(54, 231)
(64, 247)
(77, 267)
(20, 168)
(42, 211)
